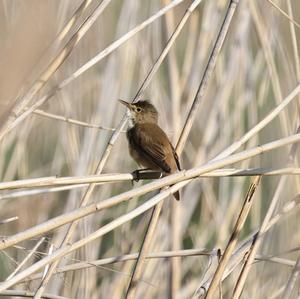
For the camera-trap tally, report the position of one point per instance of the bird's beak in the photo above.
(128, 105)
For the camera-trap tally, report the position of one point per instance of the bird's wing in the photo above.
(154, 145)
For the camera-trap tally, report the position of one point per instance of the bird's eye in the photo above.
(138, 109)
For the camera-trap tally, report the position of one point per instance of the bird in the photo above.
(148, 144)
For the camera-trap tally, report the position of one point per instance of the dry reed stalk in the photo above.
(40, 290)
(233, 108)
(18, 194)
(176, 267)
(52, 67)
(28, 256)
(284, 14)
(128, 257)
(73, 183)
(278, 260)
(175, 95)
(288, 207)
(181, 178)
(217, 277)
(207, 75)
(138, 268)
(115, 45)
(277, 293)
(58, 39)
(209, 271)
(17, 293)
(66, 29)
(294, 41)
(270, 60)
(71, 120)
(142, 255)
(184, 133)
(256, 242)
(235, 259)
(239, 252)
(60, 181)
(295, 48)
(262, 124)
(113, 139)
(159, 255)
(291, 282)
(238, 289)
(62, 251)
(83, 181)
(190, 47)
(118, 43)
(79, 12)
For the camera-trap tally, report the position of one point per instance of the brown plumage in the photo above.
(149, 146)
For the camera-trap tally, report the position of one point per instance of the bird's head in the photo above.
(141, 112)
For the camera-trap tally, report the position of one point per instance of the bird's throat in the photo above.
(130, 120)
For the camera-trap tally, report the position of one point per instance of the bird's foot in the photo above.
(146, 174)
(138, 174)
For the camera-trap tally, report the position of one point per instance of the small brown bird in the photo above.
(148, 144)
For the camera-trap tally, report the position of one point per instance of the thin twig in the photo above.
(29, 255)
(71, 120)
(127, 257)
(284, 14)
(158, 255)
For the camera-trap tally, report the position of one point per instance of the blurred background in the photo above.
(257, 68)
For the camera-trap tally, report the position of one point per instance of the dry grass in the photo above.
(73, 225)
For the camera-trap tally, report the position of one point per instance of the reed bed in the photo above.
(225, 78)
